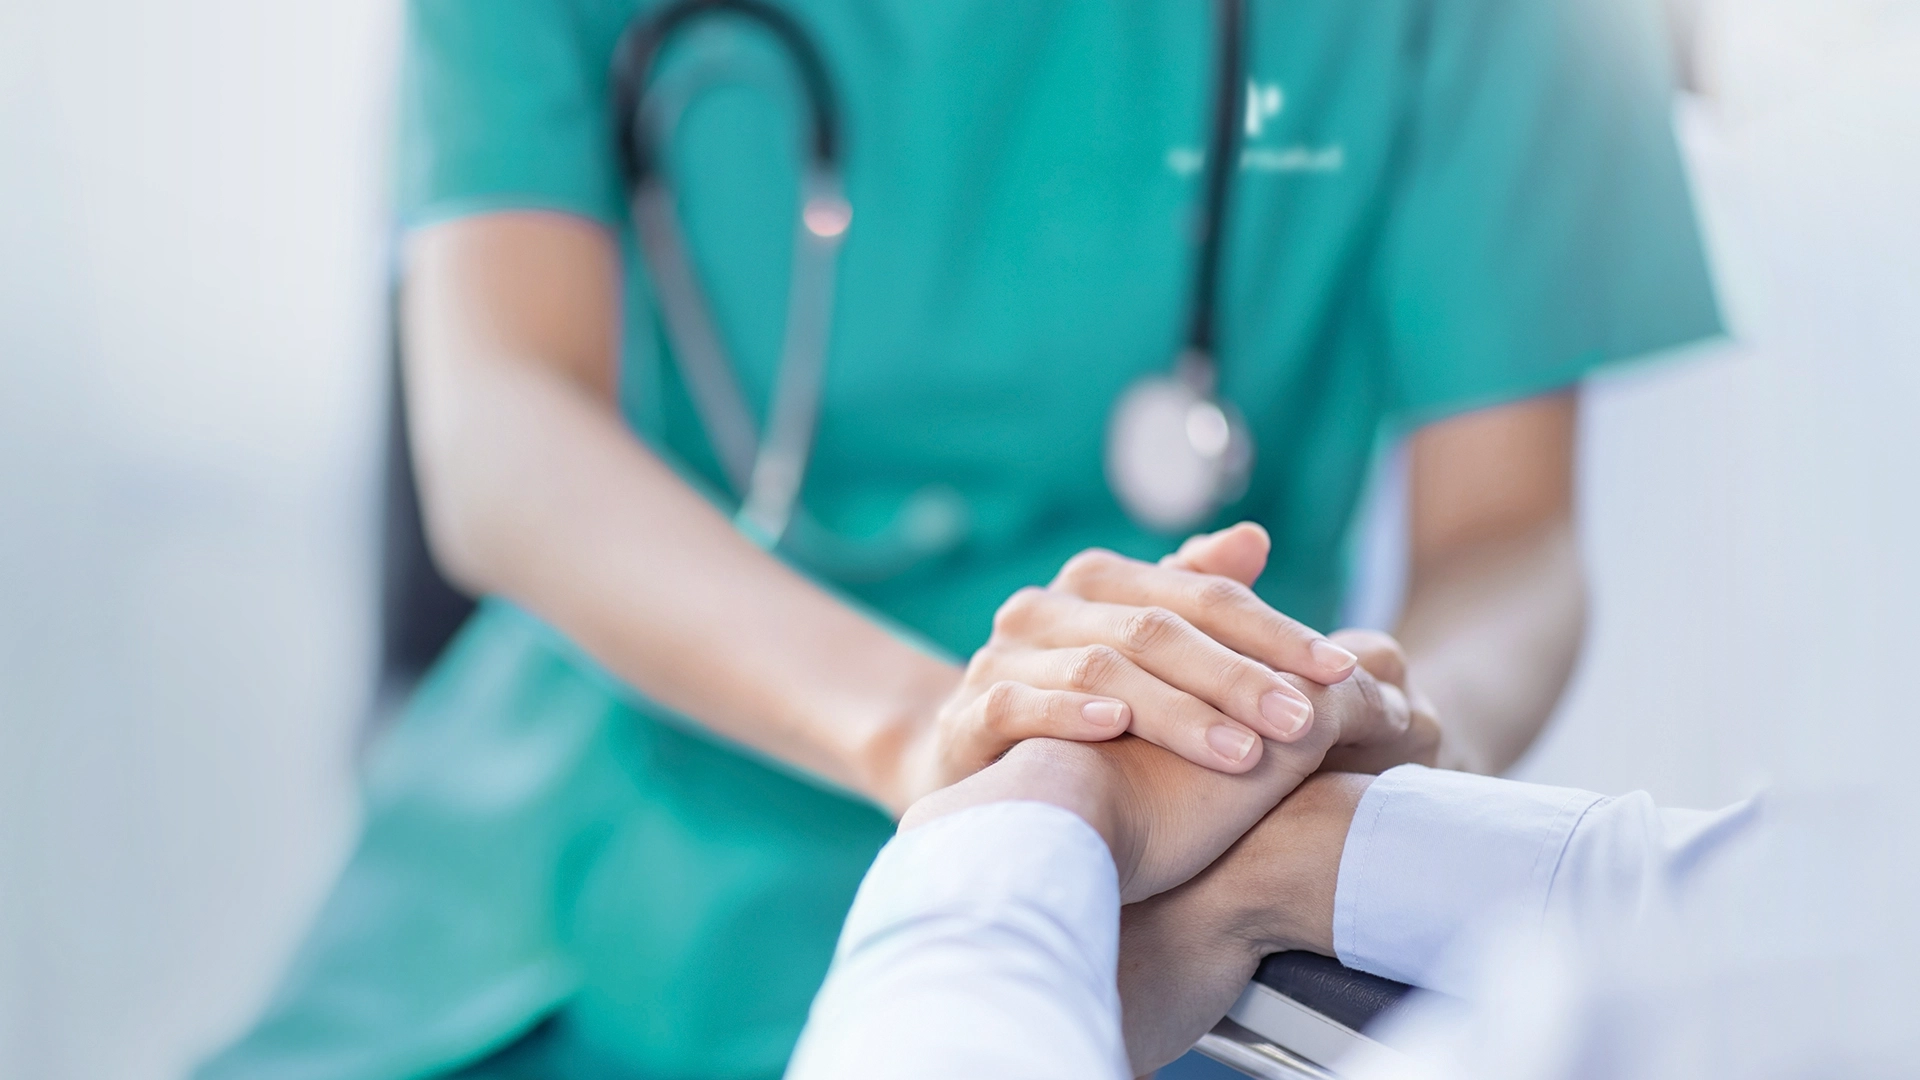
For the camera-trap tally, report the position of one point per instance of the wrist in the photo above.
(1069, 775)
(1080, 779)
(1288, 867)
(893, 756)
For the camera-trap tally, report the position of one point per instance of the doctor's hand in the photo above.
(1190, 660)
(1406, 729)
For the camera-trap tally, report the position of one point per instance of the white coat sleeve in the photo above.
(981, 944)
(1433, 853)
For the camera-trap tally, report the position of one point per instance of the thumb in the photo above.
(1237, 551)
(1379, 654)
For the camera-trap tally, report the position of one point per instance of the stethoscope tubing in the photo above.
(640, 46)
(1223, 143)
(767, 473)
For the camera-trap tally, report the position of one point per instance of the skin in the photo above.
(1495, 611)
(1164, 818)
(1186, 954)
(533, 488)
(1214, 874)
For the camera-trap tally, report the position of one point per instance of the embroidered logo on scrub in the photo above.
(1265, 102)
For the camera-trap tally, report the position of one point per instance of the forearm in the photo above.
(536, 491)
(1492, 631)
(1386, 873)
(1186, 955)
(1280, 881)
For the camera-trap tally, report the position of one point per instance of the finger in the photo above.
(1010, 711)
(1387, 717)
(1223, 609)
(1238, 552)
(1170, 649)
(1378, 748)
(1359, 713)
(1162, 715)
(1379, 653)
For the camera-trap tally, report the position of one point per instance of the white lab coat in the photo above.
(1588, 936)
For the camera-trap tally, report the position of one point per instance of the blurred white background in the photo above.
(193, 263)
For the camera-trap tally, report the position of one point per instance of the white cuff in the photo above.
(1433, 852)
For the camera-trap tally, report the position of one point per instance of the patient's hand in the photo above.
(1186, 955)
(1407, 729)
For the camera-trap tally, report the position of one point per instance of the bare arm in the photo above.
(1496, 605)
(1186, 955)
(534, 489)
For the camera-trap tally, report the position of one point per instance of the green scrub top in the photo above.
(1440, 204)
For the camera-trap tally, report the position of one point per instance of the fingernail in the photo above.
(1232, 743)
(1104, 714)
(1288, 713)
(1330, 655)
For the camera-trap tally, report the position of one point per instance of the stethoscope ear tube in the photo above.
(765, 474)
(640, 46)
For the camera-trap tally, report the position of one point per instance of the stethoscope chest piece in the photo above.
(1176, 453)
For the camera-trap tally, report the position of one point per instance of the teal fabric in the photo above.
(1458, 202)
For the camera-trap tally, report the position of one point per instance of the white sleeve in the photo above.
(1432, 853)
(980, 944)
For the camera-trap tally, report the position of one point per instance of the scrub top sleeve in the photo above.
(1543, 225)
(503, 106)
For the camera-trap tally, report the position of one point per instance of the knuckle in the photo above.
(999, 704)
(1242, 675)
(1146, 629)
(1218, 592)
(1087, 565)
(1017, 611)
(1377, 711)
(980, 663)
(1091, 667)
(1392, 647)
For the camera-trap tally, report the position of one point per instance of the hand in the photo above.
(1186, 955)
(1188, 660)
(1408, 730)
(1163, 818)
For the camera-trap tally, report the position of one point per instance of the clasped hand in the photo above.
(1182, 654)
(1173, 654)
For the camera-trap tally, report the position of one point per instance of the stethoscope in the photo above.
(1176, 452)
